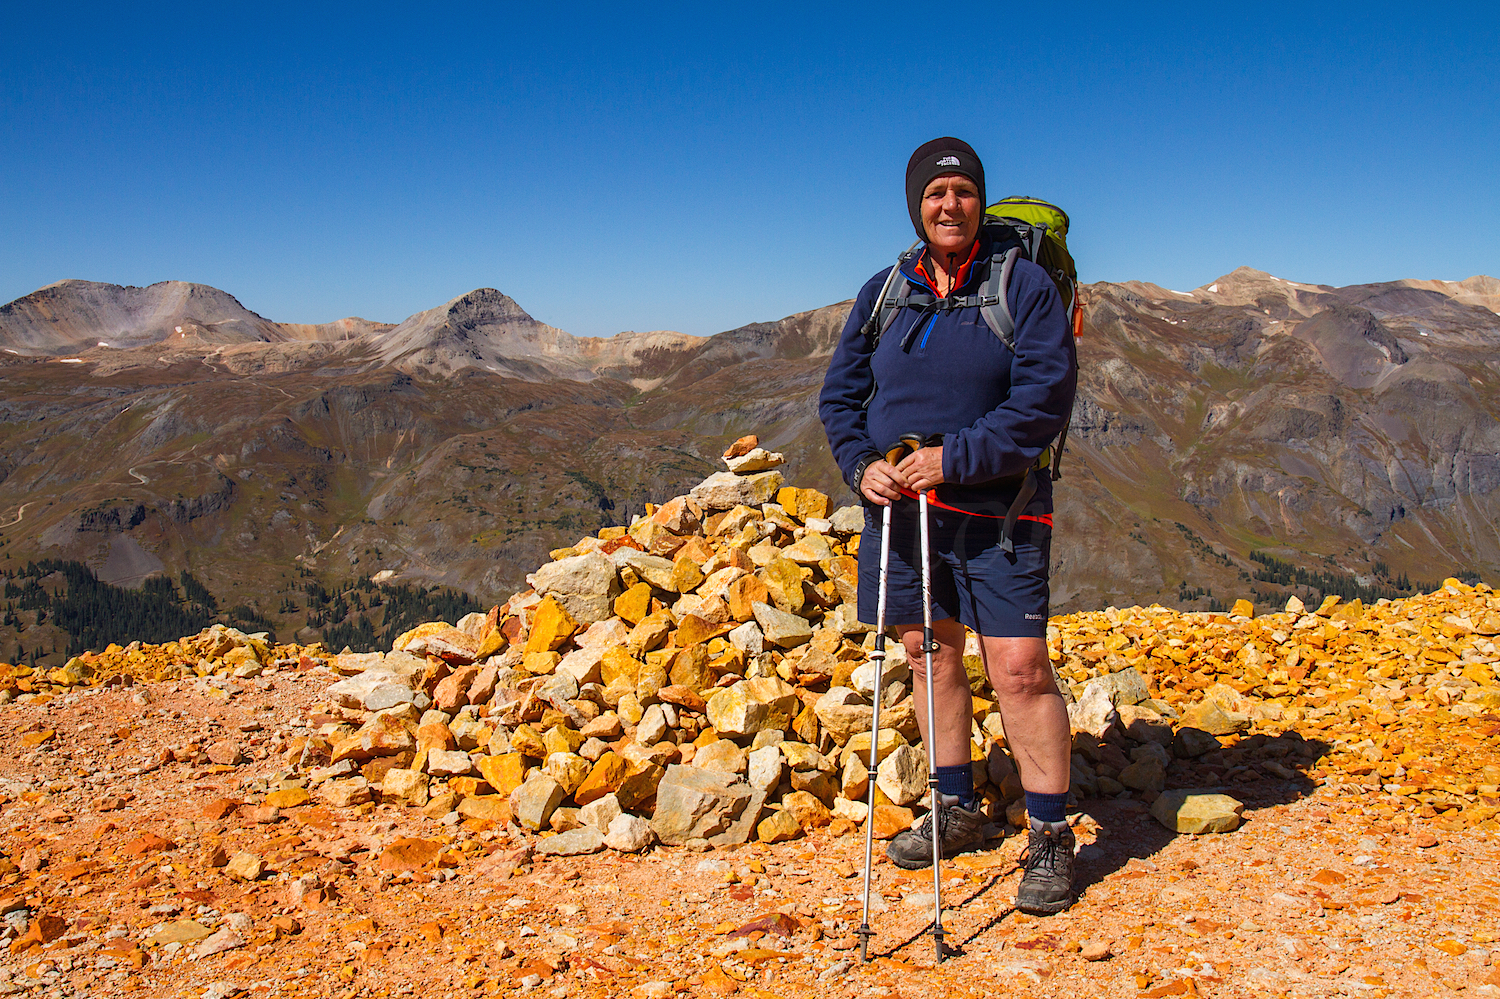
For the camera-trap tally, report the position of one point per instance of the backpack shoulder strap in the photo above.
(1023, 239)
(992, 298)
(890, 300)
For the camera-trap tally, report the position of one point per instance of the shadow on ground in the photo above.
(1260, 771)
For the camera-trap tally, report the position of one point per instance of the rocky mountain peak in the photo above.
(71, 315)
(1246, 286)
(486, 305)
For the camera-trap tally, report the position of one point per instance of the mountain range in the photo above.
(1349, 433)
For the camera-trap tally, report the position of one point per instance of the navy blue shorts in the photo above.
(995, 593)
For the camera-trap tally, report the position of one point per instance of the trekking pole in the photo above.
(928, 648)
(877, 656)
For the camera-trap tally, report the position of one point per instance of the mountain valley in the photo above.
(1346, 433)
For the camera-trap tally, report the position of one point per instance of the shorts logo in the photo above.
(1036, 617)
(948, 161)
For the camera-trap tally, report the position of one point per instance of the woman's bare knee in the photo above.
(1019, 668)
(1023, 682)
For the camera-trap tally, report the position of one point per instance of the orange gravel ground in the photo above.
(1316, 894)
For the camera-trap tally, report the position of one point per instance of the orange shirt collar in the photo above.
(963, 270)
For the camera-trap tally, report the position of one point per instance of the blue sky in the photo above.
(679, 167)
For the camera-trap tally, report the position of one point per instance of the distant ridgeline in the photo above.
(53, 609)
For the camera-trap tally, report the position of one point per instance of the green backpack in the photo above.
(1043, 229)
(1018, 226)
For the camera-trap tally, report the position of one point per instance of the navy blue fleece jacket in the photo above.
(996, 410)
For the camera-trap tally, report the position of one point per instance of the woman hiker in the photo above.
(987, 415)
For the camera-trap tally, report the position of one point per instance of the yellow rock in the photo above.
(778, 696)
(466, 787)
(809, 812)
(778, 827)
(562, 740)
(734, 520)
(527, 740)
(435, 735)
(604, 778)
(568, 769)
(691, 668)
(650, 633)
(491, 643)
(420, 631)
(505, 772)
(652, 677)
(486, 808)
(812, 504)
(859, 746)
(408, 786)
(634, 604)
(551, 626)
(805, 726)
(617, 663)
(1242, 608)
(287, 797)
(731, 660)
(686, 574)
(73, 674)
(1479, 673)
(382, 735)
(890, 820)
(802, 503)
(540, 663)
(743, 593)
(638, 785)
(692, 630)
(240, 655)
(974, 669)
(783, 578)
(630, 709)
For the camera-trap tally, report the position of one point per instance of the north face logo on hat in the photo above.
(948, 161)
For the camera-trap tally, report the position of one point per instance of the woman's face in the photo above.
(951, 213)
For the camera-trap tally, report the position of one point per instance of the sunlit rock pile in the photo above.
(217, 651)
(700, 679)
(1398, 698)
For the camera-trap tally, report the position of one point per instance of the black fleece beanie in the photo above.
(933, 159)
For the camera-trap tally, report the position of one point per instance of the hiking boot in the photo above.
(1047, 885)
(959, 827)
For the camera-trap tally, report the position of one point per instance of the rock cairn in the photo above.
(700, 679)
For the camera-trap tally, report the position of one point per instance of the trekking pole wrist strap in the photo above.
(860, 467)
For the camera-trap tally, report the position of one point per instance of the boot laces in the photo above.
(924, 828)
(1045, 855)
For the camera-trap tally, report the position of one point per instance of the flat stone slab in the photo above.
(573, 843)
(1196, 812)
